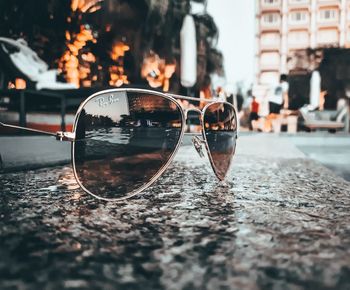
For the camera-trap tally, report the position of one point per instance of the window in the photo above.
(299, 1)
(328, 36)
(328, 15)
(271, 2)
(299, 17)
(270, 59)
(298, 39)
(270, 40)
(271, 19)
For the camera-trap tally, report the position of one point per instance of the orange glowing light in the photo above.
(116, 71)
(157, 72)
(69, 63)
(11, 85)
(20, 84)
(86, 5)
(68, 35)
(88, 57)
(118, 50)
(76, 61)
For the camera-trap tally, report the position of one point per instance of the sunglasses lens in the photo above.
(123, 141)
(220, 127)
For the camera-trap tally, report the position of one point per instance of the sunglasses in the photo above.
(124, 139)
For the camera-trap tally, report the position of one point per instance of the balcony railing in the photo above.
(274, 46)
(328, 24)
(270, 26)
(298, 45)
(301, 4)
(328, 37)
(329, 3)
(269, 66)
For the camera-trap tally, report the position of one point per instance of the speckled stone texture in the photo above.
(280, 223)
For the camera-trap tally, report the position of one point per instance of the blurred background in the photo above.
(284, 64)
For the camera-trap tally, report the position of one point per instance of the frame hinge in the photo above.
(65, 136)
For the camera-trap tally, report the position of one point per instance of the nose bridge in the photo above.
(196, 140)
(192, 110)
(197, 143)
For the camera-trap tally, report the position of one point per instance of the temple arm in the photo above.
(190, 98)
(61, 136)
(26, 129)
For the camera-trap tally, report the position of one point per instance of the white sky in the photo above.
(236, 22)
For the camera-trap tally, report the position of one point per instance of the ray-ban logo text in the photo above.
(106, 101)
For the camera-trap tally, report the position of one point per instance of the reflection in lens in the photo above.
(220, 127)
(123, 140)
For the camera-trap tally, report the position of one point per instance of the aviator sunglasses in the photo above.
(124, 139)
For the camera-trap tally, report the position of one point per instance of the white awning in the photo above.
(188, 52)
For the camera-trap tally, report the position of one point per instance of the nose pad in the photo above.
(197, 143)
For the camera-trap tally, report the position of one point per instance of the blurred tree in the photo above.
(36, 21)
(333, 64)
(144, 25)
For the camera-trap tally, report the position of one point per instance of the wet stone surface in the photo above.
(279, 224)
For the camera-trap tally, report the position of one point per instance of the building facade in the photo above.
(285, 27)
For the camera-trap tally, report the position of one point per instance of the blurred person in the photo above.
(231, 99)
(240, 101)
(322, 100)
(279, 98)
(330, 101)
(220, 94)
(254, 113)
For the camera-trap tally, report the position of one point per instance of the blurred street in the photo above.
(333, 151)
(281, 222)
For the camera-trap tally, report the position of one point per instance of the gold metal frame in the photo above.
(70, 136)
(161, 170)
(206, 141)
